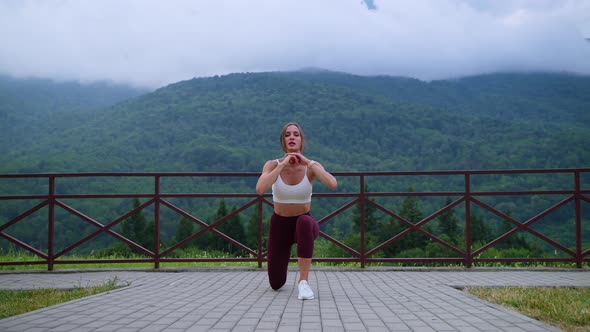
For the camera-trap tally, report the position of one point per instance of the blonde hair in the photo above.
(300, 134)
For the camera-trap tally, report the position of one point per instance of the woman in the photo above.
(291, 178)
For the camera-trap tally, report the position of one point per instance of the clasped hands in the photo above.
(297, 159)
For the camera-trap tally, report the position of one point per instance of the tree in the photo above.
(231, 227)
(449, 224)
(371, 222)
(148, 240)
(252, 231)
(372, 226)
(135, 228)
(480, 231)
(515, 240)
(184, 229)
(410, 210)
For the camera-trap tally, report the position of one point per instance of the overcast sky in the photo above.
(151, 43)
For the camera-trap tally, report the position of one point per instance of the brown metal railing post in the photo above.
(362, 207)
(468, 258)
(51, 226)
(259, 232)
(578, 203)
(157, 222)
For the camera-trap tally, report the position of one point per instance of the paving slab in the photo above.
(241, 300)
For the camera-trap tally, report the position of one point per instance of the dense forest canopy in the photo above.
(231, 123)
(34, 110)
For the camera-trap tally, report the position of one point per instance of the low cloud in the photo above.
(154, 43)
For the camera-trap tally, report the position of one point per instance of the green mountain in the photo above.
(31, 110)
(541, 98)
(232, 123)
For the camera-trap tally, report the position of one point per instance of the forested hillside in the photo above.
(33, 110)
(535, 98)
(351, 123)
(231, 123)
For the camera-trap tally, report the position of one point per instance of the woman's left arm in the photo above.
(324, 176)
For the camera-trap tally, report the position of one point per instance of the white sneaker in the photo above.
(305, 292)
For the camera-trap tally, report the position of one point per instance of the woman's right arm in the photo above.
(270, 173)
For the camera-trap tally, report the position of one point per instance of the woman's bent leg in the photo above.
(307, 231)
(280, 241)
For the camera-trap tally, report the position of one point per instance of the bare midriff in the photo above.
(291, 209)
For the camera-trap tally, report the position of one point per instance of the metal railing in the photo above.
(465, 197)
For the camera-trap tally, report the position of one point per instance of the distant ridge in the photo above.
(379, 123)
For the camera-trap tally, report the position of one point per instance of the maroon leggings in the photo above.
(283, 233)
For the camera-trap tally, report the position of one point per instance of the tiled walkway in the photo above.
(241, 300)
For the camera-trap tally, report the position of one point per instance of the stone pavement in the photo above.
(241, 300)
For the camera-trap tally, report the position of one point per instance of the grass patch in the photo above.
(565, 308)
(16, 302)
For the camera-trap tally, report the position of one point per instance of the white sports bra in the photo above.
(298, 193)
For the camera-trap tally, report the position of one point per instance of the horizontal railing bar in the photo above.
(370, 194)
(123, 174)
(207, 195)
(320, 194)
(522, 192)
(527, 259)
(327, 260)
(16, 197)
(412, 260)
(256, 174)
(23, 263)
(463, 172)
(86, 196)
(203, 260)
(99, 261)
(332, 260)
(320, 260)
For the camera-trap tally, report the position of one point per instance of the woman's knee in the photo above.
(277, 274)
(278, 263)
(308, 225)
(277, 284)
(307, 222)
